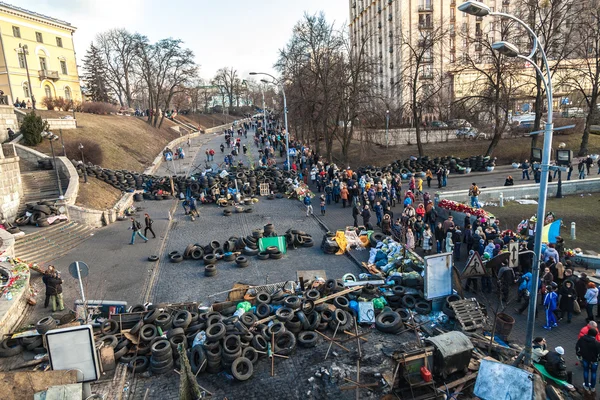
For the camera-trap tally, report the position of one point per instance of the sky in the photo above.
(242, 34)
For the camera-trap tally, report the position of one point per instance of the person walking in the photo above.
(308, 204)
(322, 205)
(581, 169)
(550, 305)
(567, 300)
(429, 177)
(439, 237)
(525, 169)
(344, 195)
(588, 352)
(474, 195)
(136, 227)
(148, 222)
(591, 299)
(366, 216)
(56, 292)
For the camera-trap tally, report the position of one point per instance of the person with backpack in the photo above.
(136, 228)
(148, 221)
(474, 195)
(308, 204)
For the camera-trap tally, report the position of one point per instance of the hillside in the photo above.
(207, 120)
(127, 142)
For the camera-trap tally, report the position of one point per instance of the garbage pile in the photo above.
(41, 214)
(208, 184)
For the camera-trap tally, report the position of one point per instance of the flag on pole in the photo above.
(551, 231)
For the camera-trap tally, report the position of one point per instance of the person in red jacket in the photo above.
(421, 210)
(585, 329)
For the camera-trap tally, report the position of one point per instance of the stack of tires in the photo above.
(39, 213)
(329, 245)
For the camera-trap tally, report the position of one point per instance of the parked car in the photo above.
(470, 133)
(525, 125)
(573, 112)
(438, 124)
(458, 123)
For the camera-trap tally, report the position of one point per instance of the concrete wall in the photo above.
(100, 218)
(11, 187)
(7, 244)
(526, 191)
(59, 123)
(406, 136)
(8, 119)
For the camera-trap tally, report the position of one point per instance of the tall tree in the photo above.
(584, 70)
(118, 47)
(94, 75)
(421, 80)
(228, 81)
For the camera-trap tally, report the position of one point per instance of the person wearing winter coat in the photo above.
(591, 299)
(355, 213)
(506, 277)
(427, 240)
(588, 352)
(539, 350)
(524, 292)
(581, 289)
(54, 286)
(555, 363)
(567, 299)
(550, 305)
(366, 216)
(386, 224)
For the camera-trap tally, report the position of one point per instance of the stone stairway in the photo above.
(38, 186)
(47, 244)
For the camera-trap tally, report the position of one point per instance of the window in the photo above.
(43, 65)
(63, 67)
(68, 93)
(16, 31)
(48, 91)
(59, 42)
(38, 37)
(21, 60)
(26, 91)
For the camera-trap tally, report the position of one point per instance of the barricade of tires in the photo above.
(159, 187)
(35, 214)
(239, 249)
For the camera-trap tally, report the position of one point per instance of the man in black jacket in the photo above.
(54, 287)
(588, 351)
(148, 221)
(555, 363)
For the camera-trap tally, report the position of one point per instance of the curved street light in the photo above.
(276, 82)
(508, 49)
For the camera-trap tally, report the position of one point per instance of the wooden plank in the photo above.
(458, 382)
(416, 357)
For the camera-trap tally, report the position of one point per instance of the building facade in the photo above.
(394, 29)
(37, 57)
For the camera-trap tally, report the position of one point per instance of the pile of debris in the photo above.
(208, 185)
(41, 214)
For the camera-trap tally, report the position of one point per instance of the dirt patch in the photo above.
(97, 194)
(127, 142)
(569, 209)
(509, 150)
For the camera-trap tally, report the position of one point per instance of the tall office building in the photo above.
(392, 31)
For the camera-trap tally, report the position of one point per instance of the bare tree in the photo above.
(584, 74)
(228, 81)
(117, 47)
(421, 80)
(552, 21)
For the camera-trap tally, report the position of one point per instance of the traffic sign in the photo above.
(513, 251)
(474, 267)
(84, 270)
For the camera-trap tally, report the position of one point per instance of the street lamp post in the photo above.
(387, 125)
(51, 138)
(479, 9)
(285, 113)
(25, 51)
(85, 179)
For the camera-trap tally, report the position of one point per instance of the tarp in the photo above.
(340, 238)
(551, 231)
(277, 241)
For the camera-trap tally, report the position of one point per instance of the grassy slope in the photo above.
(577, 208)
(97, 194)
(127, 142)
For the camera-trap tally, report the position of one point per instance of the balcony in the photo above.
(45, 74)
(426, 27)
(478, 33)
(452, 33)
(452, 3)
(427, 59)
(427, 75)
(478, 47)
(425, 7)
(505, 2)
(453, 18)
(479, 18)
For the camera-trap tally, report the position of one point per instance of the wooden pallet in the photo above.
(469, 314)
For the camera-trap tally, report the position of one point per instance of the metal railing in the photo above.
(45, 74)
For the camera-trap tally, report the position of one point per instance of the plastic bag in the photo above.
(199, 339)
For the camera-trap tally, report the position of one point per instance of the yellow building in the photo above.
(37, 57)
